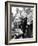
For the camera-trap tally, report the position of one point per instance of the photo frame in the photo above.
(20, 22)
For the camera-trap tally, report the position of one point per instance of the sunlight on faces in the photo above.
(14, 10)
(20, 12)
(23, 13)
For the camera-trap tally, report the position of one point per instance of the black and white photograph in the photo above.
(20, 22)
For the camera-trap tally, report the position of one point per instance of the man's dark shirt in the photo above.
(23, 26)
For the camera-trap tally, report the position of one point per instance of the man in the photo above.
(23, 23)
(29, 23)
(17, 20)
